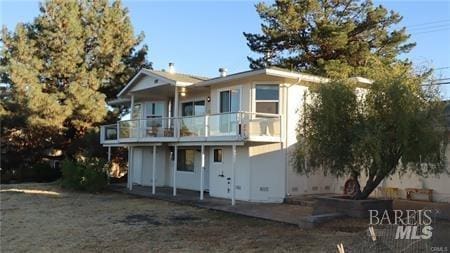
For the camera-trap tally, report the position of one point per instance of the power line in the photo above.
(432, 22)
(431, 31)
(429, 27)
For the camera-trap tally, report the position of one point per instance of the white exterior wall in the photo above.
(186, 179)
(298, 184)
(267, 173)
(142, 164)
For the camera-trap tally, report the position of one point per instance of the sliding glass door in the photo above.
(229, 105)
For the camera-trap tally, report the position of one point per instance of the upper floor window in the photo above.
(230, 100)
(154, 110)
(192, 108)
(267, 98)
(137, 111)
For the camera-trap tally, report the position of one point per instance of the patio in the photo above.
(285, 213)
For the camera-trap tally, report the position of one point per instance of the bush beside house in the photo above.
(88, 175)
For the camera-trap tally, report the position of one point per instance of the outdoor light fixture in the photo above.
(183, 91)
(208, 99)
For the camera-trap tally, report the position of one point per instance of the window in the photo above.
(230, 100)
(267, 98)
(192, 108)
(155, 111)
(217, 155)
(185, 160)
(136, 111)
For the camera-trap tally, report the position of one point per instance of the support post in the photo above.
(130, 168)
(202, 169)
(176, 120)
(154, 170)
(174, 172)
(233, 173)
(109, 153)
(132, 107)
(108, 176)
(206, 126)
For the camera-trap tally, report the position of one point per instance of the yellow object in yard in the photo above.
(388, 192)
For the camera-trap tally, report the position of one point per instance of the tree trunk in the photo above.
(369, 187)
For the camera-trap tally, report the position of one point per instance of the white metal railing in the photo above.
(243, 125)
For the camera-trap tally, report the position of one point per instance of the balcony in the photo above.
(239, 126)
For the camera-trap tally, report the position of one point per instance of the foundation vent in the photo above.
(264, 188)
(327, 188)
(315, 188)
(294, 189)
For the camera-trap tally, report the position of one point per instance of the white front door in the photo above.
(220, 173)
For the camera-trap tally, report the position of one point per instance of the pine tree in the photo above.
(61, 67)
(336, 38)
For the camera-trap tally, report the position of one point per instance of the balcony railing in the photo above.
(237, 126)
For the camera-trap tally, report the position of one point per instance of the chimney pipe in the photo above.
(223, 72)
(171, 68)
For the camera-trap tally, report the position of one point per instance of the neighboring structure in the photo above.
(231, 135)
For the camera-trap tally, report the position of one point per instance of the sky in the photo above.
(202, 36)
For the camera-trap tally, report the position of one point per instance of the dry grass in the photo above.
(45, 218)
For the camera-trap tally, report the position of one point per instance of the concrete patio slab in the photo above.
(285, 213)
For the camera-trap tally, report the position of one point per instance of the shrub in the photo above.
(43, 172)
(86, 175)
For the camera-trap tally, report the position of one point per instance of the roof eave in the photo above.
(125, 89)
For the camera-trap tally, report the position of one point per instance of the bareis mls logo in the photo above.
(411, 224)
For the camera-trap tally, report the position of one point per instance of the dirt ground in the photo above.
(45, 218)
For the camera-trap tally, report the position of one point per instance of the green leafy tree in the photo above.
(335, 38)
(61, 67)
(390, 126)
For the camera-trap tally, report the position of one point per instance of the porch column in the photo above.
(132, 106)
(176, 120)
(174, 171)
(128, 165)
(202, 169)
(233, 173)
(130, 168)
(154, 170)
(109, 153)
(108, 175)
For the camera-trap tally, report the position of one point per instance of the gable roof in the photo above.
(271, 71)
(171, 78)
(180, 77)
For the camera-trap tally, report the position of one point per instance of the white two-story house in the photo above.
(231, 136)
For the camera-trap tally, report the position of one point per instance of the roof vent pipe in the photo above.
(171, 67)
(223, 72)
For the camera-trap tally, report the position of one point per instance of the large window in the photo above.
(185, 160)
(136, 111)
(267, 98)
(192, 108)
(230, 101)
(154, 111)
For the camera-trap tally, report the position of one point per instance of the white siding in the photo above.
(186, 179)
(148, 165)
(267, 169)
